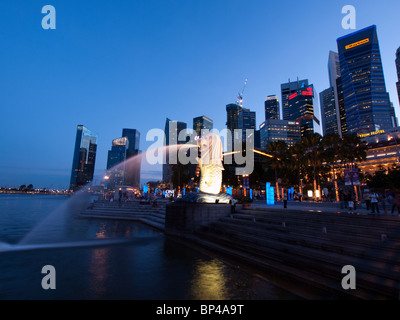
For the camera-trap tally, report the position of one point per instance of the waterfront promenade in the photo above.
(306, 245)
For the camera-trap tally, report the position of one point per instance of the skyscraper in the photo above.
(301, 109)
(328, 108)
(172, 130)
(133, 165)
(116, 162)
(200, 123)
(84, 158)
(398, 72)
(232, 120)
(272, 108)
(288, 89)
(334, 74)
(274, 130)
(342, 111)
(366, 100)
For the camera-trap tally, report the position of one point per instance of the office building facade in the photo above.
(247, 120)
(397, 61)
(275, 130)
(133, 163)
(328, 109)
(301, 109)
(116, 164)
(288, 89)
(84, 158)
(366, 101)
(271, 107)
(172, 131)
(202, 123)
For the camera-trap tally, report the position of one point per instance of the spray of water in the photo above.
(64, 228)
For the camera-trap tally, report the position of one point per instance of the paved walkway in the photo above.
(318, 207)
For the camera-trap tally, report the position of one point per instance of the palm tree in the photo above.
(314, 152)
(278, 151)
(331, 144)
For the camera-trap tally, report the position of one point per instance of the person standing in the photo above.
(374, 202)
(396, 202)
(285, 198)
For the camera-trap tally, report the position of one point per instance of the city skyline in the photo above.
(129, 66)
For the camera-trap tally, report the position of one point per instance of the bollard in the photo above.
(324, 230)
(284, 224)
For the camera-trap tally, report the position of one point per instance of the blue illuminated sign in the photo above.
(269, 194)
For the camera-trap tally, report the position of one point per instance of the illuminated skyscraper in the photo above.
(328, 108)
(301, 109)
(133, 164)
(398, 72)
(366, 101)
(272, 108)
(172, 131)
(84, 158)
(200, 123)
(288, 89)
(116, 161)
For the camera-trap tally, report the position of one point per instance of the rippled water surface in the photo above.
(145, 265)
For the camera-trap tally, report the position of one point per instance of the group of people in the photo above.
(387, 201)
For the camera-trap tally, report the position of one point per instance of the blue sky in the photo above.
(130, 64)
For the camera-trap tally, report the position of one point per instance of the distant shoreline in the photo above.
(36, 193)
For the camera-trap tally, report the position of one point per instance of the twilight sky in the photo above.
(130, 64)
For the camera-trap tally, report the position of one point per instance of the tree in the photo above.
(278, 151)
(313, 151)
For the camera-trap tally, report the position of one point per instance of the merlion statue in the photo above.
(210, 163)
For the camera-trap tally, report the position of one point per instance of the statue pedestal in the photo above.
(183, 217)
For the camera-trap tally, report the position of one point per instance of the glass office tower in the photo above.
(84, 158)
(116, 162)
(301, 109)
(328, 108)
(272, 108)
(366, 100)
(133, 165)
(247, 120)
(398, 72)
(288, 89)
(172, 131)
(200, 123)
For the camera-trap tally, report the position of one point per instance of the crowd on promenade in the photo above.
(386, 202)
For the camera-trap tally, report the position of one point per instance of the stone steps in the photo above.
(365, 226)
(297, 246)
(318, 232)
(327, 242)
(133, 211)
(322, 269)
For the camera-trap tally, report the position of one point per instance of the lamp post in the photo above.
(106, 178)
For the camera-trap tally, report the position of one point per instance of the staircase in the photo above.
(130, 210)
(312, 247)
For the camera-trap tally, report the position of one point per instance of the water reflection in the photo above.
(209, 282)
(99, 270)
